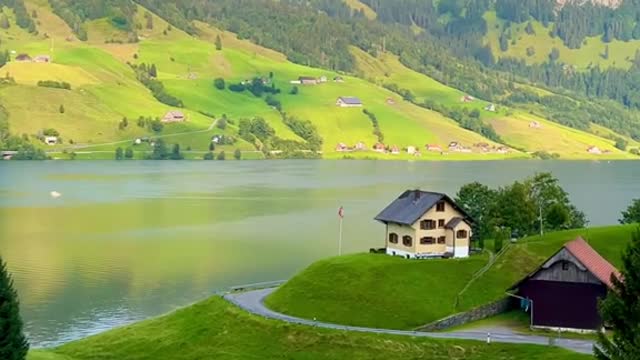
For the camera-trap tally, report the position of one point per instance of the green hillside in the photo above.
(360, 289)
(215, 329)
(105, 89)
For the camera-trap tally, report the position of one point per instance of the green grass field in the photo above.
(361, 289)
(214, 329)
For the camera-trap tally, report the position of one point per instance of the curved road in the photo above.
(253, 302)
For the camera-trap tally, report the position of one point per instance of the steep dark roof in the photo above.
(453, 222)
(350, 100)
(411, 205)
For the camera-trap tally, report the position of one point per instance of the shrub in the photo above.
(128, 153)
(54, 84)
(237, 154)
(208, 156)
(219, 83)
(221, 155)
(222, 123)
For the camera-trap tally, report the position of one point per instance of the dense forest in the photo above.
(450, 47)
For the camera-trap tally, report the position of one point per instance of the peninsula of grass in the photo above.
(376, 290)
(215, 329)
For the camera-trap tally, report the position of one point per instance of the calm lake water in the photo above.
(130, 240)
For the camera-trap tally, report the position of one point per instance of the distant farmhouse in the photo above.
(563, 293)
(42, 59)
(173, 116)
(23, 58)
(348, 101)
(308, 80)
(594, 150)
(422, 224)
(50, 140)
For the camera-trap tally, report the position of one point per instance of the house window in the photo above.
(442, 240)
(565, 265)
(393, 238)
(440, 223)
(461, 234)
(440, 206)
(427, 240)
(407, 240)
(427, 224)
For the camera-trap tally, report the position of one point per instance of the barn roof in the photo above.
(588, 258)
(593, 261)
(411, 205)
(351, 100)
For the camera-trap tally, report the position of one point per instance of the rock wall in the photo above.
(479, 313)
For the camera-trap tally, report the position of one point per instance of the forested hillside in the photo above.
(424, 64)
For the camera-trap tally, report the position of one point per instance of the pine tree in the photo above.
(153, 72)
(621, 309)
(218, 42)
(13, 343)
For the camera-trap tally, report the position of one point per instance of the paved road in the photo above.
(253, 302)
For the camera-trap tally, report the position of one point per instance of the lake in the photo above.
(130, 240)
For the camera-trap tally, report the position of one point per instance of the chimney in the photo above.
(416, 194)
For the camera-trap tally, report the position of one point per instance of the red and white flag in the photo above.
(341, 212)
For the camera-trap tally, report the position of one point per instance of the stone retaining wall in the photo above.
(479, 313)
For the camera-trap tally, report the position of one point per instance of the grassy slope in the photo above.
(104, 89)
(512, 126)
(620, 52)
(215, 329)
(377, 290)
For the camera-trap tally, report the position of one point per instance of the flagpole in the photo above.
(340, 239)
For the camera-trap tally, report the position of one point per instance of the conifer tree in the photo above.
(621, 309)
(218, 42)
(13, 343)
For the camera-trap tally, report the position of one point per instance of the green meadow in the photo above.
(215, 329)
(360, 289)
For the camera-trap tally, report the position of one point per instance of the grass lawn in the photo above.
(376, 290)
(390, 292)
(214, 329)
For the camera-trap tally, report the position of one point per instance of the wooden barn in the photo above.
(563, 293)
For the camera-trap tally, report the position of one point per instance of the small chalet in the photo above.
(421, 224)
(341, 147)
(563, 293)
(50, 140)
(594, 150)
(360, 146)
(379, 147)
(338, 79)
(433, 147)
(502, 150)
(348, 101)
(535, 125)
(490, 107)
(42, 59)
(322, 79)
(23, 58)
(467, 99)
(395, 150)
(6, 155)
(484, 147)
(454, 146)
(174, 116)
(390, 101)
(308, 80)
(411, 150)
